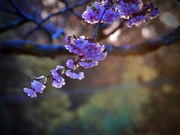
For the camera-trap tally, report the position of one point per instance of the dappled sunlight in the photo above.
(169, 19)
(44, 14)
(49, 2)
(115, 36)
(149, 32)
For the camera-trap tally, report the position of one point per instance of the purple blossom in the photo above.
(75, 74)
(90, 16)
(57, 80)
(149, 11)
(109, 11)
(81, 42)
(37, 86)
(70, 48)
(154, 11)
(70, 64)
(136, 20)
(30, 92)
(94, 52)
(128, 8)
(89, 51)
(96, 12)
(88, 64)
(68, 39)
(110, 16)
(57, 71)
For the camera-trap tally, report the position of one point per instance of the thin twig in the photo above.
(80, 3)
(11, 25)
(98, 24)
(20, 11)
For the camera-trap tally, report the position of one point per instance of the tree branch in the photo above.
(21, 11)
(30, 48)
(12, 24)
(49, 50)
(80, 3)
(146, 46)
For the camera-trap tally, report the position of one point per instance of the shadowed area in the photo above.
(134, 91)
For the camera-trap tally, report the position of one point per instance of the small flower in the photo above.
(137, 20)
(88, 64)
(70, 64)
(100, 57)
(57, 80)
(68, 39)
(109, 11)
(97, 11)
(154, 13)
(128, 8)
(89, 16)
(30, 92)
(74, 75)
(88, 50)
(80, 42)
(37, 86)
(110, 16)
(57, 71)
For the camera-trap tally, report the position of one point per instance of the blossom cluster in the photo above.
(88, 54)
(87, 51)
(97, 12)
(37, 85)
(148, 11)
(107, 11)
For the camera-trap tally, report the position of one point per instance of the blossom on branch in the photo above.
(97, 12)
(128, 7)
(108, 11)
(57, 80)
(37, 85)
(89, 51)
(136, 20)
(75, 74)
(30, 92)
(70, 64)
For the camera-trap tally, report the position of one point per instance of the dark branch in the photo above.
(49, 50)
(70, 8)
(8, 11)
(21, 12)
(11, 25)
(30, 48)
(146, 46)
(26, 17)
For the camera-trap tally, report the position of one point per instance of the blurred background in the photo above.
(123, 95)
